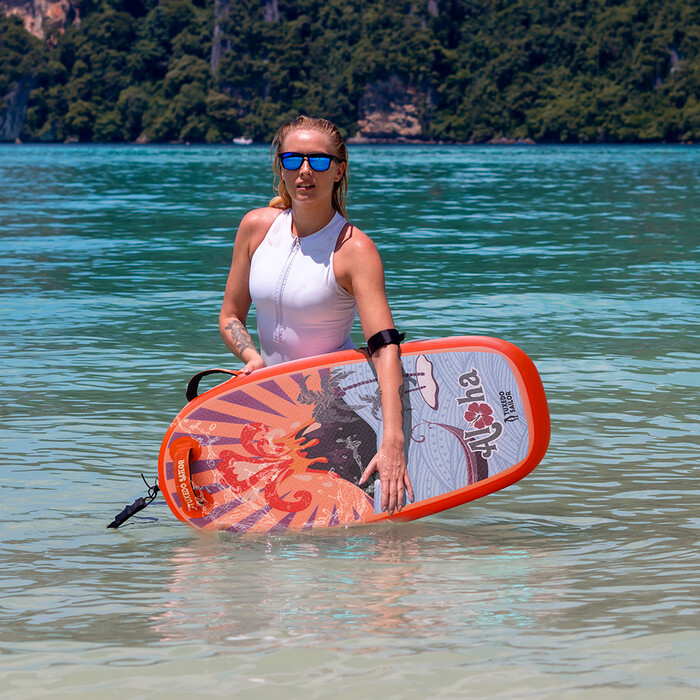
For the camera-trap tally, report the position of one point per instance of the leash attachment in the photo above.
(138, 505)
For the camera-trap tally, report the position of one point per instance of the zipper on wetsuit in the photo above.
(296, 245)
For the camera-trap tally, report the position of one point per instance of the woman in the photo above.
(309, 271)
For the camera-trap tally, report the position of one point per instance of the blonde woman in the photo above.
(309, 272)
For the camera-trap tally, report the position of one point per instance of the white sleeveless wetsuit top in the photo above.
(301, 309)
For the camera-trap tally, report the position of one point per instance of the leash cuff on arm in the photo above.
(390, 336)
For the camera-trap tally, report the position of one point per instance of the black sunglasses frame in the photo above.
(307, 157)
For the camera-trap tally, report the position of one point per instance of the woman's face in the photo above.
(306, 185)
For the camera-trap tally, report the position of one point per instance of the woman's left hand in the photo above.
(390, 464)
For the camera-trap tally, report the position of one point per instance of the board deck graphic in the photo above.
(284, 448)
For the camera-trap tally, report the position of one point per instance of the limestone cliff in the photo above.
(43, 18)
(221, 43)
(392, 110)
(12, 118)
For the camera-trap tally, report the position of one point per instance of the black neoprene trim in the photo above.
(388, 337)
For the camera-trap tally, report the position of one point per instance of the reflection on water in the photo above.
(381, 582)
(581, 579)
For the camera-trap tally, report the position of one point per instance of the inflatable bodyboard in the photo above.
(284, 448)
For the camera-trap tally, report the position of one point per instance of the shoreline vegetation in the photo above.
(483, 72)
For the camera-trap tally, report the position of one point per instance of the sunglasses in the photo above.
(320, 162)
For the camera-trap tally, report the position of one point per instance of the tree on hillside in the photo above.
(193, 70)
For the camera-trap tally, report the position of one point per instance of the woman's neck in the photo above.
(308, 220)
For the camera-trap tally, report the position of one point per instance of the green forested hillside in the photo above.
(550, 70)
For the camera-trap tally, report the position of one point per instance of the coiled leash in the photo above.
(138, 505)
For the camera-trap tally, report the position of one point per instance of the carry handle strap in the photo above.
(193, 384)
(183, 451)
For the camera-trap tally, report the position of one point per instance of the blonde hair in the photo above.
(340, 189)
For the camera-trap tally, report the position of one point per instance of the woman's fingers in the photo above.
(409, 486)
(255, 363)
(394, 481)
(371, 468)
(392, 493)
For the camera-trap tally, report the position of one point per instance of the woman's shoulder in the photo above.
(253, 228)
(262, 218)
(355, 254)
(354, 242)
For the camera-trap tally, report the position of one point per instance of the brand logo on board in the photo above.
(484, 430)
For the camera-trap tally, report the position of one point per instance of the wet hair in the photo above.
(282, 200)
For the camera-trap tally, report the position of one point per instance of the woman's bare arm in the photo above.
(359, 269)
(237, 301)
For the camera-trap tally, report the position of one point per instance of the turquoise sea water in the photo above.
(583, 580)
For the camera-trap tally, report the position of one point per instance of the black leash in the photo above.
(138, 505)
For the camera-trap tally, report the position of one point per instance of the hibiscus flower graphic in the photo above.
(481, 414)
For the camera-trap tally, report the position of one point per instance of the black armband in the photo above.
(388, 337)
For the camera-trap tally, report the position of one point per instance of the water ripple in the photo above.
(579, 579)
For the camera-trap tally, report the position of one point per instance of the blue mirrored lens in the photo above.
(292, 162)
(319, 163)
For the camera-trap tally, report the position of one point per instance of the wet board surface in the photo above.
(284, 448)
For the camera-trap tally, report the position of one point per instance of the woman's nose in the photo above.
(305, 167)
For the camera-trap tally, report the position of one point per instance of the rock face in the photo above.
(43, 18)
(272, 11)
(221, 44)
(391, 110)
(12, 119)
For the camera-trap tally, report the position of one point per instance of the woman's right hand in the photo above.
(254, 363)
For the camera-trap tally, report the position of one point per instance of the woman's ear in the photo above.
(340, 172)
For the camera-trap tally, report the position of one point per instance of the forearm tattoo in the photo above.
(239, 337)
